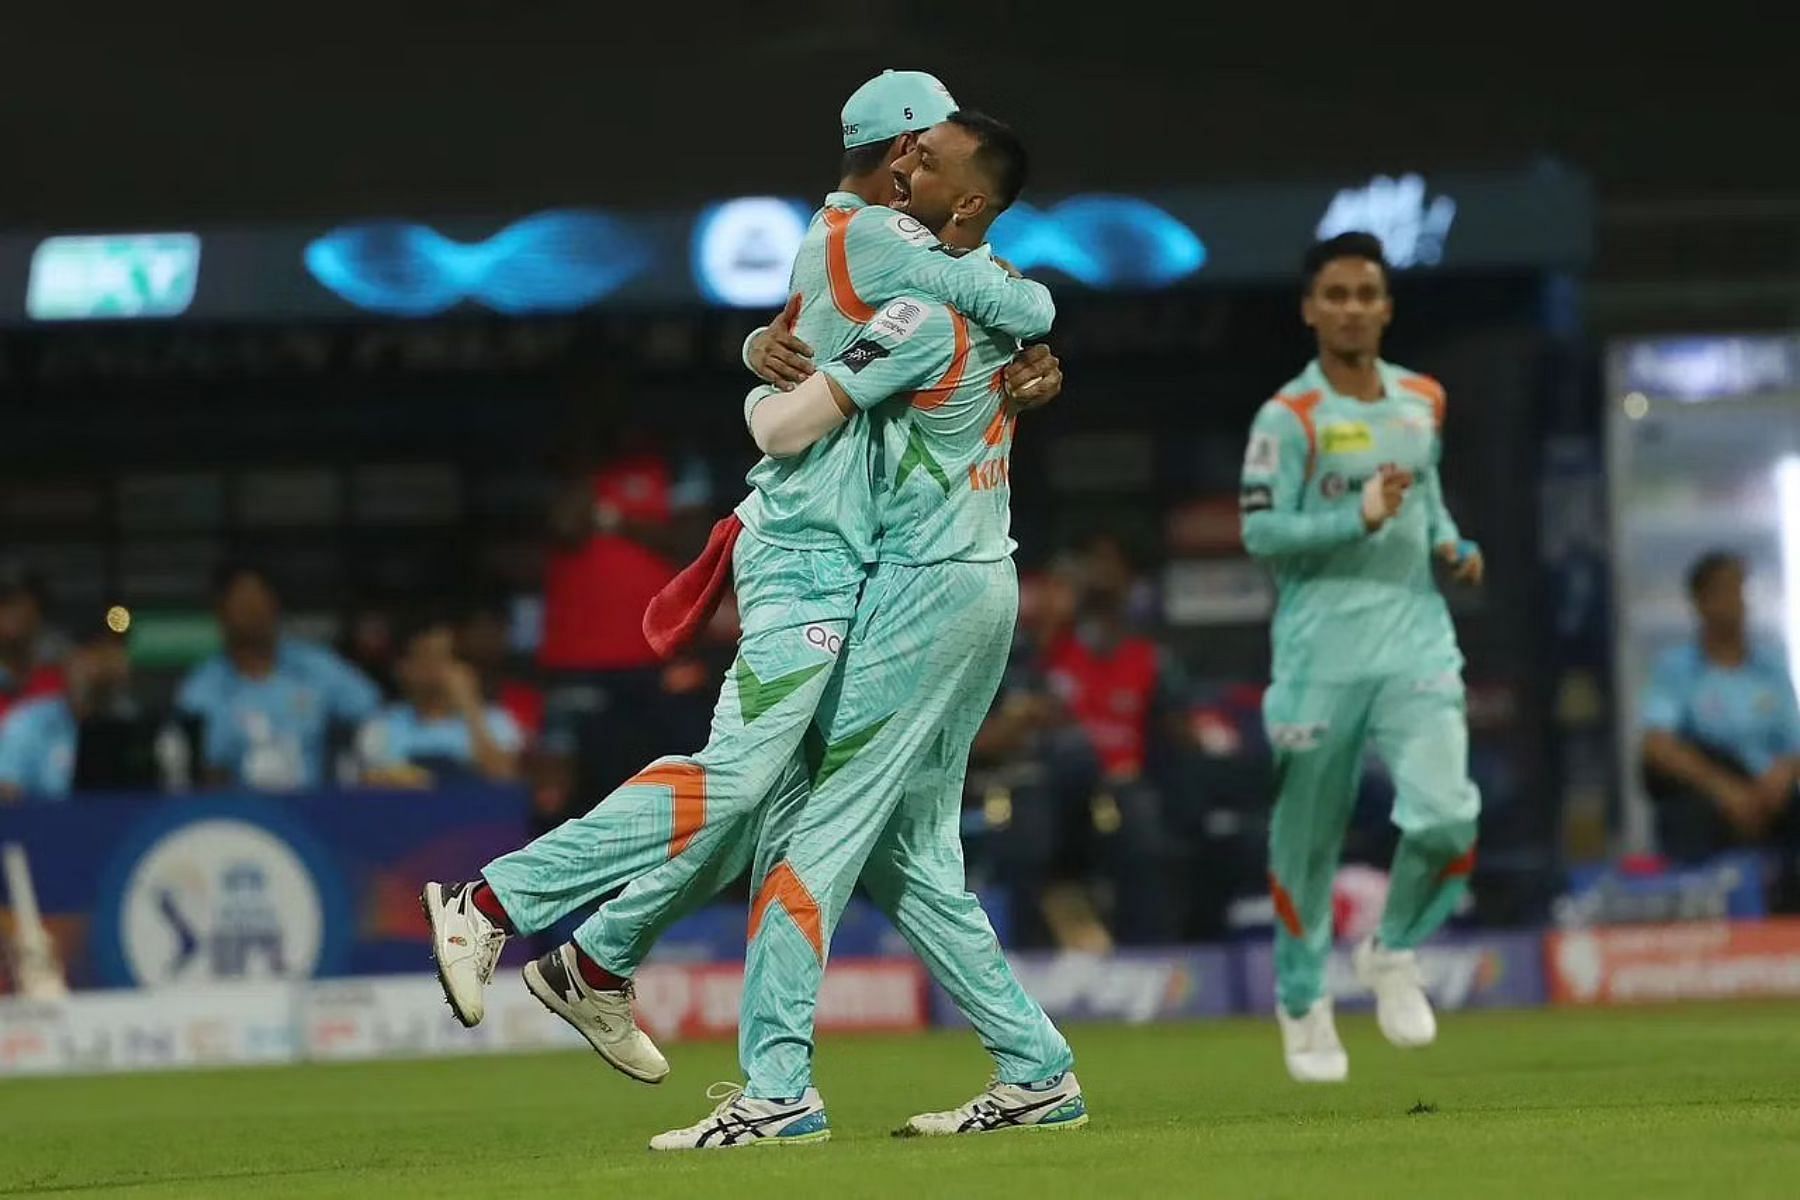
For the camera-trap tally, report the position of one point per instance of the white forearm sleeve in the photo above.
(786, 423)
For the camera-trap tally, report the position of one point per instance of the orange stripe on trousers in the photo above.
(1459, 867)
(688, 782)
(1284, 908)
(783, 886)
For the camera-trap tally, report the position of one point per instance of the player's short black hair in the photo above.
(1000, 153)
(870, 156)
(1355, 244)
(1708, 567)
(226, 576)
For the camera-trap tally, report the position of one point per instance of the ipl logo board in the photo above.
(220, 898)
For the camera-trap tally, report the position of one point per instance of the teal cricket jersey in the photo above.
(1748, 710)
(934, 381)
(855, 260)
(1352, 605)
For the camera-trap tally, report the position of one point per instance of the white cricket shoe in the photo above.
(742, 1120)
(605, 1019)
(1401, 1007)
(466, 946)
(1310, 1042)
(1056, 1103)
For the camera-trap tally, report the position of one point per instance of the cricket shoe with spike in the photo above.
(466, 946)
(604, 1018)
(741, 1120)
(1054, 1103)
(1310, 1043)
(1401, 1007)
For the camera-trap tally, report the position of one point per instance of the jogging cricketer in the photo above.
(682, 828)
(927, 649)
(1341, 499)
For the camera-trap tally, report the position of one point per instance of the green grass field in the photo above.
(1667, 1102)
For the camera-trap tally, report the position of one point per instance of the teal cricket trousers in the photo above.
(1419, 726)
(682, 828)
(924, 661)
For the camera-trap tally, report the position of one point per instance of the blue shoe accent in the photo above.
(1074, 1110)
(811, 1123)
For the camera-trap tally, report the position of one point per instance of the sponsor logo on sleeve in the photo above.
(1257, 498)
(1263, 456)
(910, 230)
(900, 320)
(864, 352)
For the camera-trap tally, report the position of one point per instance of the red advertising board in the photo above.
(1711, 960)
(681, 1001)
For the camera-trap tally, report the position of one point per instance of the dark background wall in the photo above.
(130, 114)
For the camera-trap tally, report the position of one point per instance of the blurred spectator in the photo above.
(621, 527)
(92, 729)
(24, 673)
(1071, 736)
(368, 643)
(443, 729)
(1721, 750)
(482, 641)
(269, 705)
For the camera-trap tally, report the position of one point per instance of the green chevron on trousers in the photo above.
(825, 760)
(756, 697)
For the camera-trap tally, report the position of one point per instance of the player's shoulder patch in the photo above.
(910, 229)
(1263, 455)
(901, 319)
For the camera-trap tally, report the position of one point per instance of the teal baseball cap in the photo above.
(893, 103)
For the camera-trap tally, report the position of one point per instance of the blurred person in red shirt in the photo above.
(25, 671)
(1067, 746)
(620, 525)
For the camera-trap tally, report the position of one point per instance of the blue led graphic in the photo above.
(739, 255)
(1101, 241)
(743, 250)
(550, 262)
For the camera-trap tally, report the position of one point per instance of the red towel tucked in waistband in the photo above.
(679, 612)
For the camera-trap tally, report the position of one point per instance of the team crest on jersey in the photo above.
(900, 320)
(1264, 455)
(911, 230)
(1347, 437)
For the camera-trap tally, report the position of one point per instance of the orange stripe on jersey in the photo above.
(1431, 389)
(687, 782)
(1302, 406)
(837, 267)
(1000, 428)
(938, 393)
(784, 886)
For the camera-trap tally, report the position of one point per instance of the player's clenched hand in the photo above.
(1382, 495)
(777, 355)
(1033, 378)
(1468, 568)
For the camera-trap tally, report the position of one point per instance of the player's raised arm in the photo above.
(907, 346)
(1277, 465)
(888, 254)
